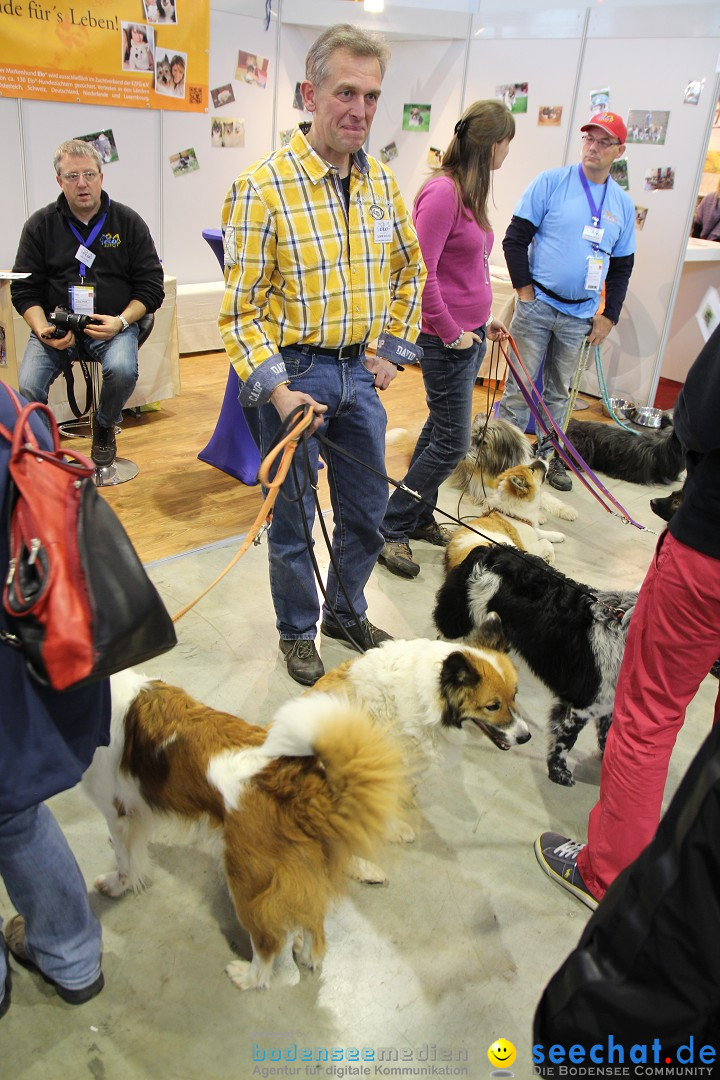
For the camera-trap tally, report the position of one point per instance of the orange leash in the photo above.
(288, 445)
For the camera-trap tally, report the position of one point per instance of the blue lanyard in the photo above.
(91, 238)
(595, 211)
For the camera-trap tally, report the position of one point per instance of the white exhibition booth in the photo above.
(444, 54)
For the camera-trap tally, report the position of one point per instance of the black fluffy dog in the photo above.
(648, 457)
(571, 638)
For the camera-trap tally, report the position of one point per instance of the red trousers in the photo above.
(673, 641)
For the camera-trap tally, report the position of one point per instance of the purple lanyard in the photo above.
(595, 211)
(91, 238)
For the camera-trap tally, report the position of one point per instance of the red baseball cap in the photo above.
(609, 122)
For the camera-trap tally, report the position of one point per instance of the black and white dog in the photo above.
(648, 457)
(571, 638)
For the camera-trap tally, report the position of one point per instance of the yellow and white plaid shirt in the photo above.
(302, 270)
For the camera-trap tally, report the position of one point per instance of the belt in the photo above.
(347, 352)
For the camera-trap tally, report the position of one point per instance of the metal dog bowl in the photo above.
(621, 406)
(646, 416)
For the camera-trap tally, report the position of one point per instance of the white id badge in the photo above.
(82, 299)
(84, 255)
(383, 231)
(592, 234)
(593, 278)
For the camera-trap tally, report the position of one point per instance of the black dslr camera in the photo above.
(64, 320)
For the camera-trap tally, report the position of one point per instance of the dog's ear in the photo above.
(491, 633)
(519, 482)
(457, 671)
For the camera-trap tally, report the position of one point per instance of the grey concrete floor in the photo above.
(448, 957)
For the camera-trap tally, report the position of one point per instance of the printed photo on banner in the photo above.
(185, 161)
(161, 11)
(640, 215)
(170, 73)
(619, 173)
(599, 101)
(104, 143)
(224, 132)
(222, 95)
(252, 69)
(647, 126)
(513, 96)
(550, 115)
(660, 179)
(416, 118)
(387, 153)
(138, 47)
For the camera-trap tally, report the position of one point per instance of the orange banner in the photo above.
(137, 53)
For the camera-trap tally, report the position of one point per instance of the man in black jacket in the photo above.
(572, 232)
(94, 257)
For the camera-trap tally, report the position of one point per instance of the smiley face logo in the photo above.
(501, 1054)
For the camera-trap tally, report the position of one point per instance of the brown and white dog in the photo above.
(293, 805)
(497, 445)
(512, 517)
(430, 695)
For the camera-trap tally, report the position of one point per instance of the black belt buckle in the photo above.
(350, 352)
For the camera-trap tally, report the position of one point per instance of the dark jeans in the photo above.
(449, 376)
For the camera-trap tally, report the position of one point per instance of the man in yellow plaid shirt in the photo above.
(321, 258)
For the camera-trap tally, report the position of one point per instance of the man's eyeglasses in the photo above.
(602, 144)
(73, 177)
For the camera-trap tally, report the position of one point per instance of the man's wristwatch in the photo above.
(125, 323)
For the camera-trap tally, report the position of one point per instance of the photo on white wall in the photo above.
(599, 100)
(550, 115)
(104, 143)
(387, 153)
(619, 173)
(252, 69)
(298, 98)
(286, 135)
(416, 117)
(184, 162)
(640, 215)
(226, 132)
(513, 96)
(660, 179)
(222, 95)
(708, 314)
(647, 126)
(693, 90)
(434, 157)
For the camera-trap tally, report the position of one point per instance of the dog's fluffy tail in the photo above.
(366, 786)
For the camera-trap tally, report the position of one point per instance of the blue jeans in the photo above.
(119, 360)
(541, 331)
(356, 421)
(449, 376)
(45, 885)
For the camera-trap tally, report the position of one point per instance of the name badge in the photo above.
(84, 255)
(592, 234)
(383, 232)
(593, 278)
(82, 299)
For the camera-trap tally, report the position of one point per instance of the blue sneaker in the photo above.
(557, 856)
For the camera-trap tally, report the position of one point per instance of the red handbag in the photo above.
(79, 602)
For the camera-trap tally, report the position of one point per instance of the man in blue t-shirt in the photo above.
(572, 231)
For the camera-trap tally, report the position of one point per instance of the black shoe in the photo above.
(5, 1003)
(303, 663)
(557, 475)
(368, 637)
(15, 941)
(103, 444)
(398, 558)
(432, 533)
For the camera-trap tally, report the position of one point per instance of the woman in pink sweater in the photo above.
(450, 216)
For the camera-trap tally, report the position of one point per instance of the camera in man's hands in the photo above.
(63, 321)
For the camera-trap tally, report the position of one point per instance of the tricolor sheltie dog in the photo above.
(292, 804)
(572, 638)
(512, 517)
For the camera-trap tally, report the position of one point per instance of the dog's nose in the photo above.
(524, 738)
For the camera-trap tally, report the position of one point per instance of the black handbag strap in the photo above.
(67, 370)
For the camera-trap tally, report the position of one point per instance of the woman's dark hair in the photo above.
(468, 158)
